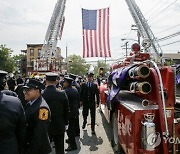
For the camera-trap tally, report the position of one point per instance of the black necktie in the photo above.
(89, 84)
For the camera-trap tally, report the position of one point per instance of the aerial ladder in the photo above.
(144, 29)
(51, 38)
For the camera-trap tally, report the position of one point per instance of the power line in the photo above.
(169, 36)
(167, 29)
(155, 5)
(152, 15)
(164, 18)
(162, 10)
(170, 43)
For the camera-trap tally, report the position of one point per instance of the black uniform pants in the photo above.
(71, 132)
(59, 143)
(77, 128)
(92, 108)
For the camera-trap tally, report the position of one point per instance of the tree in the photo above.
(18, 60)
(77, 65)
(6, 61)
(101, 64)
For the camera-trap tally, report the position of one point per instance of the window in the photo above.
(31, 52)
(39, 52)
(31, 61)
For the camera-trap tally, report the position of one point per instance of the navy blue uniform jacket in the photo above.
(12, 125)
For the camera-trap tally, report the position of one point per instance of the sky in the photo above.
(26, 21)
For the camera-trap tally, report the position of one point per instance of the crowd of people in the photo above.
(34, 113)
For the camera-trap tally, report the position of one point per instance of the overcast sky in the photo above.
(26, 21)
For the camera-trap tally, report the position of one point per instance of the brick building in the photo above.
(35, 64)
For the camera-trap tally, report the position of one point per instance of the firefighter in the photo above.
(12, 133)
(11, 82)
(37, 119)
(19, 92)
(73, 98)
(59, 106)
(88, 92)
(6, 91)
(77, 86)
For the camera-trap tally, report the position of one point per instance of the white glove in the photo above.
(66, 127)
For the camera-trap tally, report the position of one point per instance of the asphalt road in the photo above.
(100, 143)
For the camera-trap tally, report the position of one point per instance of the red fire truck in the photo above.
(140, 106)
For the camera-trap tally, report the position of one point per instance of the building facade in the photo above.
(172, 57)
(36, 64)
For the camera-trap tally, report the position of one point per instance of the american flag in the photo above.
(96, 33)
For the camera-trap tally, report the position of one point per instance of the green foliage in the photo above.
(18, 60)
(6, 61)
(101, 64)
(77, 65)
(18, 57)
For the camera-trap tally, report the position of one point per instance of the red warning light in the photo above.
(136, 47)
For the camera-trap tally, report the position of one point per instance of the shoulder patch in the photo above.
(43, 114)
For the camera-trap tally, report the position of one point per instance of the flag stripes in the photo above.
(96, 35)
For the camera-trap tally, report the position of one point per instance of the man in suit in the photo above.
(13, 124)
(73, 98)
(59, 106)
(89, 91)
(37, 119)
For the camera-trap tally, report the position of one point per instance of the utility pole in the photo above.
(66, 51)
(134, 27)
(66, 57)
(126, 47)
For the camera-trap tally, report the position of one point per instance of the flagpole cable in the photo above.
(82, 7)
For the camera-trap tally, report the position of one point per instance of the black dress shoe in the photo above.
(93, 132)
(67, 140)
(71, 148)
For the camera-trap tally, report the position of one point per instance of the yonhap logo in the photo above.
(171, 140)
(154, 139)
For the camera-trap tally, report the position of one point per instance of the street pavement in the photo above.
(100, 143)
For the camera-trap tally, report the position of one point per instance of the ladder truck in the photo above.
(140, 97)
(49, 50)
(144, 29)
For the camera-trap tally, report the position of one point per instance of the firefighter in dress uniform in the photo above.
(73, 98)
(77, 86)
(59, 106)
(11, 82)
(13, 124)
(37, 119)
(89, 91)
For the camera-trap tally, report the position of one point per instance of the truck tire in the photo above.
(115, 140)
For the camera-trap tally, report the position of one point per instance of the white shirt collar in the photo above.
(32, 102)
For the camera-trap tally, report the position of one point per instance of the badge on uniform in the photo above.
(43, 114)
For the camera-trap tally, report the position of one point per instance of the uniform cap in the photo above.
(73, 76)
(51, 76)
(80, 77)
(68, 79)
(34, 84)
(62, 75)
(3, 74)
(90, 74)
